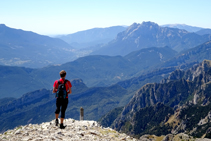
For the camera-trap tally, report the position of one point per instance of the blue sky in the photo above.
(68, 16)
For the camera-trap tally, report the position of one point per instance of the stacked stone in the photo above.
(74, 131)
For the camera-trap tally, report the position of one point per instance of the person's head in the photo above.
(62, 74)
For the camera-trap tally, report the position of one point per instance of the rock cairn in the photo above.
(74, 131)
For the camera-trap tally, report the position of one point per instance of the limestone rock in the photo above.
(172, 137)
(74, 131)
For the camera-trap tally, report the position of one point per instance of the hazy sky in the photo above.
(69, 16)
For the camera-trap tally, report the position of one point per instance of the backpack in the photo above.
(61, 91)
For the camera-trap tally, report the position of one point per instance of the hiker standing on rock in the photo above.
(62, 88)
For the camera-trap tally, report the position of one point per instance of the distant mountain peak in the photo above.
(149, 34)
(136, 29)
(183, 26)
(149, 23)
(132, 27)
(143, 24)
(2, 25)
(77, 81)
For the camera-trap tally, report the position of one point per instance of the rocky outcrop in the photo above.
(202, 69)
(205, 120)
(81, 130)
(186, 92)
(171, 137)
(74, 131)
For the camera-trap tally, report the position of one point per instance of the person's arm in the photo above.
(69, 91)
(54, 90)
(55, 87)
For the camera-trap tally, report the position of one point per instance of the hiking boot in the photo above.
(62, 126)
(57, 122)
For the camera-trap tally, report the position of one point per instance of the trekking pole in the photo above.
(81, 113)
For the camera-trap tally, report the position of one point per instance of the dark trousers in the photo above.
(61, 104)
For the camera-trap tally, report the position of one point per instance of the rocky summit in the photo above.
(81, 130)
(75, 131)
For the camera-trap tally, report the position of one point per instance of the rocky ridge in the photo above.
(179, 104)
(74, 131)
(80, 130)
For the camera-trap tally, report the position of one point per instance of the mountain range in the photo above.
(95, 70)
(39, 106)
(101, 70)
(180, 87)
(92, 37)
(184, 26)
(179, 103)
(94, 107)
(87, 41)
(204, 31)
(25, 48)
(149, 34)
(28, 49)
(96, 101)
(149, 89)
(197, 30)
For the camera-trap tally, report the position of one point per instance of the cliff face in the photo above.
(182, 92)
(200, 71)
